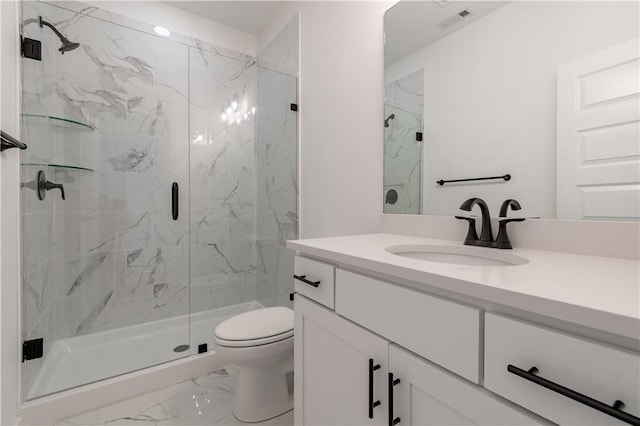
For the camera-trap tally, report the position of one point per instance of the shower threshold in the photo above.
(81, 360)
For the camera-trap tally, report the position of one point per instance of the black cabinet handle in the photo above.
(392, 419)
(174, 200)
(7, 142)
(372, 404)
(304, 279)
(614, 410)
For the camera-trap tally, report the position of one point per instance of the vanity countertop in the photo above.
(598, 292)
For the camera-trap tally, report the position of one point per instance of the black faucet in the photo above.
(486, 235)
(502, 240)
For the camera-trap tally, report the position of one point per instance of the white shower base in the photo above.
(77, 361)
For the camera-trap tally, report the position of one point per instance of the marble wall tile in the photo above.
(215, 291)
(404, 99)
(222, 180)
(403, 161)
(274, 274)
(37, 237)
(170, 300)
(43, 328)
(276, 178)
(119, 308)
(37, 294)
(82, 231)
(37, 219)
(407, 93)
(210, 226)
(155, 265)
(66, 316)
(232, 257)
(110, 255)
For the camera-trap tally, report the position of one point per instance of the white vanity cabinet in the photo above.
(344, 371)
(332, 369)
(429, 395)
(603, 373)
(463, 341)
(315, 280)
(442, 331)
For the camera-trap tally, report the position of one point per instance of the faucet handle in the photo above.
(514, 204)
(502, 240)
(472, 235)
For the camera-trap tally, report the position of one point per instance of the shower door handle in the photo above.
(174, 200)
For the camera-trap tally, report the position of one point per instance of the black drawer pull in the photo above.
(372, 404)
(392, 420)
(613, 411)
(304, 279)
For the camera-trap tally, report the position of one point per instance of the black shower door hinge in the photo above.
(31, 49)
(32, 349)
(294, 107)
(419, 136)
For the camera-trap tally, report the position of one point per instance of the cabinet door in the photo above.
(332, 369)
(429, 395)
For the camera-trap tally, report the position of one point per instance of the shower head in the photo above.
(67, 45)
(386, 121)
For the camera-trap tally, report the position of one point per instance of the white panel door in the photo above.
(598, 136)
(332, 369)
(429, 395)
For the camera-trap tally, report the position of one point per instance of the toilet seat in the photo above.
(254, 342)
(255, 328)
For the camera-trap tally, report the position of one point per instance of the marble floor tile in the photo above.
(207, 400)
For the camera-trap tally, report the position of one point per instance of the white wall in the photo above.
(481, 121)
(9, 218)
(341, 113)
(185, 23)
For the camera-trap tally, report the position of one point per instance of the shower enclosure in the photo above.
(403, 123)
(158, 189)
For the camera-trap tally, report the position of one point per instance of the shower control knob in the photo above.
(44, 185)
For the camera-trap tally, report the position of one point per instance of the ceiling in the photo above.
(411, 25)
(247, 16)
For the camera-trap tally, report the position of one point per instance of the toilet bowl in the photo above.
(260, 344)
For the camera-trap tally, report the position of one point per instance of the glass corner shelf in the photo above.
(61, 122)
(58, 166)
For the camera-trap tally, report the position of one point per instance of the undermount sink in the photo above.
(458, 255)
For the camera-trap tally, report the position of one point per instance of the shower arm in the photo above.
(58, 33)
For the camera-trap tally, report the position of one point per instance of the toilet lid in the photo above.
(256, 325)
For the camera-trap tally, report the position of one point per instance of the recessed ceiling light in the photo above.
(162, 31)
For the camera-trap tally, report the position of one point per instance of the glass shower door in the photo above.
(277, 182)
(222, 184)
(105, 272)
(402, 161)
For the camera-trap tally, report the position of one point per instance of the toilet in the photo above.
(260, 344)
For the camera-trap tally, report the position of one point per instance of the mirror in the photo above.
(542, 97)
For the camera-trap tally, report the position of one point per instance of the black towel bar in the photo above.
(505, 177)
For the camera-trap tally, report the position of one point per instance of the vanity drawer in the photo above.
(594, 369)
(444, 332)
(319, 277)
